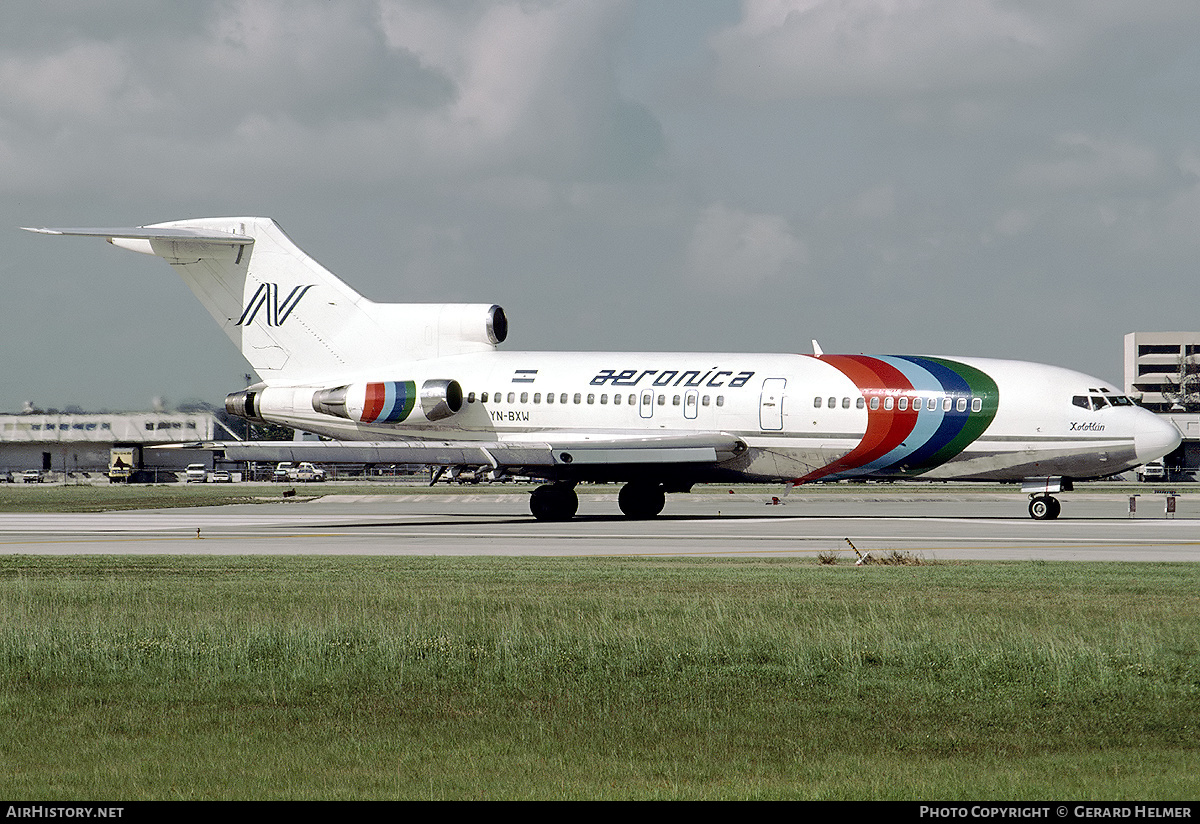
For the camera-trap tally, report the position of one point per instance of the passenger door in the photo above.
(770, 405)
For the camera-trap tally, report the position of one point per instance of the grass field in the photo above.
(365, 677)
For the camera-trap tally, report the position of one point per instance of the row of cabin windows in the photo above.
(578, 397)
(901, 403)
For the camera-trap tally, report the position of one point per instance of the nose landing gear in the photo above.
(1044, 507)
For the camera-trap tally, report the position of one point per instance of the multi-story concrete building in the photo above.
(1162, 373)
(1160, 367)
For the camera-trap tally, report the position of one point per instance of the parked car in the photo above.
(31, 476)
(220, 476)
(196, 473)
(302, 472)
(306, 472)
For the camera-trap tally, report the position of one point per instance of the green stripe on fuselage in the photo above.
(983, 387)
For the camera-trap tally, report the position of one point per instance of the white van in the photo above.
(1152, 471)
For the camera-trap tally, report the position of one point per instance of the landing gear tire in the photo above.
(554, 502)
(641, 500)
(1044, 508)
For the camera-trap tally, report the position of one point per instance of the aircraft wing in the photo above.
(516, 455)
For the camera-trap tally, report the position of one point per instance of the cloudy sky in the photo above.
(1008, 178)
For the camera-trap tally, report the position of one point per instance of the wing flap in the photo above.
(383, 452)
(636, 454)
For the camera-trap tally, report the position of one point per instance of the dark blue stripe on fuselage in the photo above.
(953, 385)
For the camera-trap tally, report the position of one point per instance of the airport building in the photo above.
(83, 445)
(1162, 374)
(1162, 370)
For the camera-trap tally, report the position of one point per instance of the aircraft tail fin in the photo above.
(292, 318)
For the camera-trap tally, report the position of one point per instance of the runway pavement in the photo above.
(933, 525)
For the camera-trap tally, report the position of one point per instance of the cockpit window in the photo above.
(1100, 401)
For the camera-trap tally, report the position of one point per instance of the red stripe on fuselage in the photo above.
(373, 404)
(886, 428)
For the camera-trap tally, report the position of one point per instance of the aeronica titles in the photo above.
(713, 378)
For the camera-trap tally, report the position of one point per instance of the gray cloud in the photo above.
(1009, 178)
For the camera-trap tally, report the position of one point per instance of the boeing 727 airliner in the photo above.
(427, 384)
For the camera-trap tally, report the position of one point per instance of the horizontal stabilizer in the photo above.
(150, 233)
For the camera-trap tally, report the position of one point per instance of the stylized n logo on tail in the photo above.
(267, 295)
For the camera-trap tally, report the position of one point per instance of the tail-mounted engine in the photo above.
(381, 402)
(243, 404)
(390, 401)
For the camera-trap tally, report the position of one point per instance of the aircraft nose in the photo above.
(1154, 437)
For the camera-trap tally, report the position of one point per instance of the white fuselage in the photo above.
(803, 418)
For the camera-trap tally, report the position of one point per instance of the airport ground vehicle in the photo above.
(121, 463)
(1152, 471)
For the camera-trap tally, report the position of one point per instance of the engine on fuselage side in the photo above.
(371, 402)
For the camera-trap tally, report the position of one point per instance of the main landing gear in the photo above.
(554, 502)
(558, 502)
(1044, 507)
(640, 500)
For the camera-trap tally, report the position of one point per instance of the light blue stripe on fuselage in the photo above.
(389, 400)
(928, 420)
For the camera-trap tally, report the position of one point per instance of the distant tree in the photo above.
(195, 405)
(263, 431)
(1183, 387)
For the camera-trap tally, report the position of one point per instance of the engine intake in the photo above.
(497, 324)
(440, 399)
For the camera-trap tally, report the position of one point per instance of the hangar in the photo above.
(81, 445)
